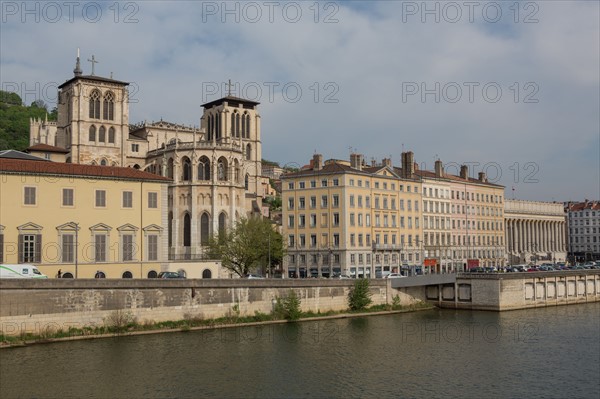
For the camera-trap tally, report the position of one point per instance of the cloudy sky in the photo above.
(512, 88)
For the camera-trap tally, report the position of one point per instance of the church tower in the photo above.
(233, 120)
(93, 118)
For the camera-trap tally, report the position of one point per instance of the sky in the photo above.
(509, 88)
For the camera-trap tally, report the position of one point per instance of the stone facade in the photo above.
(535, 232)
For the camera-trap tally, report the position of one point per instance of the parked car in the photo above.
(169, 275)
(394, 275)
(343, 277)
(254, 277)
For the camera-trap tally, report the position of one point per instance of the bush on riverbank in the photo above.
(359, 296)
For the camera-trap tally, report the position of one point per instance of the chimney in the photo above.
(409, 169)
(464, 171)
(356, 161)
(317, 162)
(482, 177)
(439, 169)
(416, 166)
(387, 162)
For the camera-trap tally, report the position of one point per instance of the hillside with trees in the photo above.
(14, 120)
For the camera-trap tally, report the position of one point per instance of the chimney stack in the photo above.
(317, 162)
(482, 177)
(356, 161)
(439, 169)
(464, 171)
(387, 162)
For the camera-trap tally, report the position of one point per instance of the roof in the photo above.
(580, 206)
(93, 78)
(14, 154)
(230, 99)
(332, 168)
(47, 148)
(41, 167)
(432, 175)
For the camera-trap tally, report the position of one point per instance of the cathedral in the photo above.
(215, 169)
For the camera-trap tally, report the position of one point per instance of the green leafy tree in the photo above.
(249, 246)
(359, 296)
(289, 307)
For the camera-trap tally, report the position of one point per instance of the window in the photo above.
(313, 202)
(67, 197)
(111, 135)
(100, 198)
(291, 240)
(313, 184)
(301, 184)
(135, 148)
(153, 200)
(301, 203)
(68, 246)
(30, 248)
(313, 220)
(108, 107)
(92, 134)
(153, 247)
(290, 221)
(336, 182)
(127, 199)
(336, 201)
(323, 201)
(127, 247)
(352, 219)
(102, 134)
(290, 203)
(301, 221)
(336, 219)
(352, 200)
(100, 247)
(324, 183)
(29, 196)
(94, 105)
(336, 240)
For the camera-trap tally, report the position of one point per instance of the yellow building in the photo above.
(81, 219)
(345, 217)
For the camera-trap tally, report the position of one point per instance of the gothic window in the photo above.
(92, 137)
(244, 125)
(237, 125)
(170, 229)
(95, 105)
(102, 134)
(170, 167)
(209, 128)
(187, 169)
(111, 135)
(222, 169)
(236, 168)
(187, 230)
(222, 221)
(248, 152)
(108, 107)
(217, 127)
(247, 131)
(246, 185)
(103, 162)
(204, 169)
(233, 124)
(204, 228)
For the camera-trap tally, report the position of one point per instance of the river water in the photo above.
(549, 352)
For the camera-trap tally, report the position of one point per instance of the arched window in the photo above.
(108, 107)
(206, 273)
(247, 126)
(187, 169)
(67, 275)
(111, 135)
(92, 136)
(152, 274)
(103, 162)
(222, 224)
(187, 230)
(244, 125)
(248, 152)
(204, 169)
(95, 104)
(217, 126)
(204, 228)
(170, 168)
(222, 169)
(233, 124)
(210, 128)
(237, 125)
(127, 275)
(246, 182)
(102, 134)
(136, 166)
(170, 229)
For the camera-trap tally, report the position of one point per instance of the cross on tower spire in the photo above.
(93, 61)
(229, 88)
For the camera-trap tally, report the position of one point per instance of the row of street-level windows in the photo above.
(32, 249)
(30, 197)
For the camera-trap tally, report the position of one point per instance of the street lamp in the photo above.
(76, 247)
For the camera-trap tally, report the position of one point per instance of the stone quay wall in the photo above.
(34, 306)
(509, 291)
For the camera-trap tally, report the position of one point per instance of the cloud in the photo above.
(353, 73)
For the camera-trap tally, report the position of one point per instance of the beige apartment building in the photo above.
(82, 219)
(477, 208)
(343, 217)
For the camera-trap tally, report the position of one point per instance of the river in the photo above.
(551, 352)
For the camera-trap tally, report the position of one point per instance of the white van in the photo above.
(20, 271)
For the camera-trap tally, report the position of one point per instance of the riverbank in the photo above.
(120, 324)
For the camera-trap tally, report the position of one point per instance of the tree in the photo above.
(359, 296)
(250, 245)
